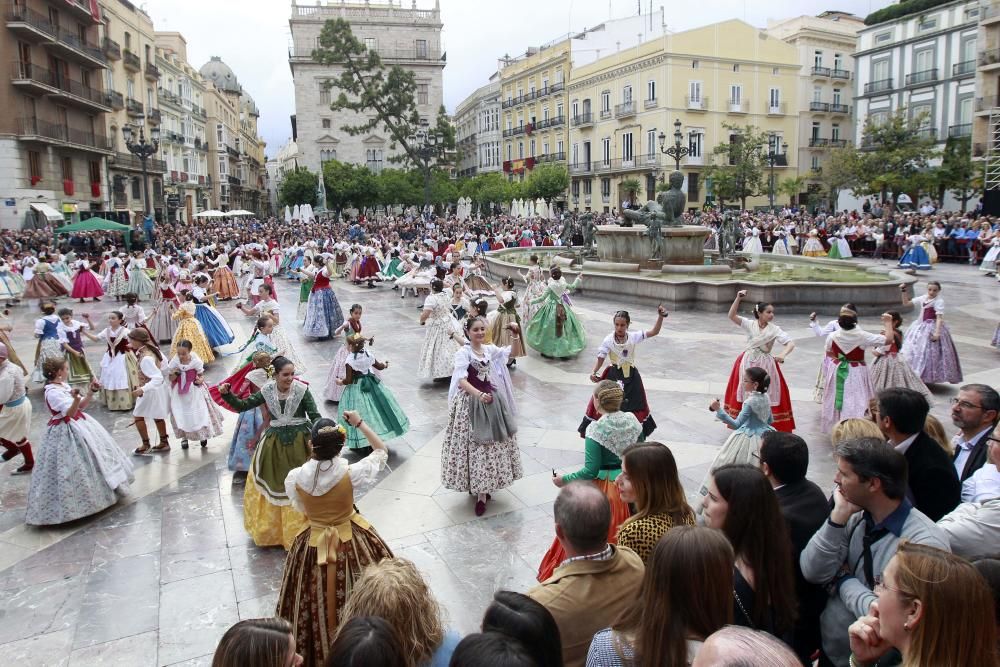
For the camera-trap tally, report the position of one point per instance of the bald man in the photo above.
(15, 414)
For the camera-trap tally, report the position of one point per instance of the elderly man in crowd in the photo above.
(597, 581)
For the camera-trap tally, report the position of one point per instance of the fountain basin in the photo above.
(630, 245)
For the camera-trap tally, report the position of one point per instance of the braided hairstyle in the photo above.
(608, 396)
(51, 368)
(327, 438)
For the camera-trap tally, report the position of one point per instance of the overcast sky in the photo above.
(252, 37)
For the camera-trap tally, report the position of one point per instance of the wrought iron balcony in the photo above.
(841, 109)
(964, 68)
(154, 116)
(111, 49)
(33, 129)
(152, 72)
(923, 76)
(70, 91)
(820, 71)
(624, 110)
(961, 130)
(880, 86)
(696, 103)
(133, 107)
(819, 106)
(840, 74)
(583, 120)
(132, 61)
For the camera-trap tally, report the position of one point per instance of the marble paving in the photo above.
(158, 578)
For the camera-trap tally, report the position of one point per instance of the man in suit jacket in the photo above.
(784, 459)
(597, 581)
(975, 413)
(933, 483)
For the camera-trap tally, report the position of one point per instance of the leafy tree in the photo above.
(396, 186)
(383, 97)
(547, 181)
(299, 187)
(631, 188)
(443, 189)
(957, 171)
(893, 158)
(492, 188)
(792, 187)
(349, 185)
(739, 166)
(841, 171)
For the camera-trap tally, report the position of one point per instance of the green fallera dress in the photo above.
(369, 397)
(554, 330)
(394, 269)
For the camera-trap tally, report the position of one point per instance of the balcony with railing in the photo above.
(82, 9)
(818, 107)
(583, 120)
(696, 103)
(838, 73)
(960, 130)
(152, 72)
(778, 109)
(989, 58)
(133, 107)
(546, 123)
(112, 50)
(29, 24)
(738, 106)
(606, 113)
(234, 181)
(131, 61)
(154, 116)
(117, 100)
(578, 168)
(922, 77)
(63, 88)
(129, 162)
(72, 47)
(551, 157)
(823, 142)
(33, 129)
(650, 103)
(839, 109)
(880, 86)
(304, 54)
(927, 133)
(820, 71)
(625, 109)
(513, 131)
(964, 68)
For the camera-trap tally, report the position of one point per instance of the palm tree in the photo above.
(792, 187)
(630, 187)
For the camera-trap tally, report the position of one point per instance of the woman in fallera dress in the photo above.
(607, 439)
(334, 388)
(86, 283)
(260, 341)
(535, 282)
(890, 368)
(215, 326)
(161, 322)
(366, 393)
(193, 415)
(269, 307)
(500, 320)
(249, 424)
(327, 559)
(79, 469)
(437, 353)
(554, 331)
(762, 334)
(848, 384)
(188, 328)
(152, 398)
(139, 282)
(927, 344)
(268, 515)
(223, 279)
(47, 333)
(134, 315)
(619, 347)
(480, 452)
(323, 314)
(43, 285)
(119, 369)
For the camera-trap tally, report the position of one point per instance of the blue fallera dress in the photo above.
(217, 330)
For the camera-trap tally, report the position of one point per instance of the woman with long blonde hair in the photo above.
(934, 607)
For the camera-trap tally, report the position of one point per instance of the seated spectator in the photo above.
(491, 649)
(261, 642)
(597, 581)
(870, 515)
(784, 460)
(650, 482)
(394, 590)
(973, 528)
(933, 484)
(974, 412)
(686, 595)
(854, 427)
(735, 646)
(742, 504)
(367, 641)
(933, 608)
(518, 616)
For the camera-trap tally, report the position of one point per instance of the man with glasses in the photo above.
(934, 488)
(973, 529)
(974, 411)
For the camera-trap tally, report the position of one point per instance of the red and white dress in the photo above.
(760, 342)
(86, 283)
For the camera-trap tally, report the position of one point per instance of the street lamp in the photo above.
(677, 151)
(143, 150)
(772, 156)
(426, 147)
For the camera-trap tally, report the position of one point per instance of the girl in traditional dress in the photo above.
(928, 345)
(762, 334)
(780, 246)
(259, 341)
(139, 282)
(161, 322)
(326, 560)
(5, 330)
(813, 247)
(619, 347)
(916, 256)
(554, 331)
(839, 247)
(365, 392)
(268, 306)
(368, 269)
(42, 284)
(47, 333)
(827, 364)
(152, 398)
(505, 315)
(116, 282)
(268, 515)
(249, 424)
(305, 276)
(215, 326)
(193, 415)
(79, 467)
(460, 305)
(59, 271)
(989, 263)
(188, 328)
(134, 316)
(475, 284)
(848, 383)
(71, 333)
(334, 387)
(86, 283)
(11, 284)
(223, 279)
(420, 276)
(606, 440)
(890, 369)
(751, 242)
(754, 419)
(323, 314)
(536, 289)
(119, 369)
(437, 352)
(480, 453)
(393, 269)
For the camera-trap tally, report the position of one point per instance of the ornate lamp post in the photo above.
(677, 151)
(772, 156)
(426, 148)
(143, 150)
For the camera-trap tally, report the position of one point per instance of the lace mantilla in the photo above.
(616, 431)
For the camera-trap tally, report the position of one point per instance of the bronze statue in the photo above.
(589, 230)
(672, 201)
(651, 215)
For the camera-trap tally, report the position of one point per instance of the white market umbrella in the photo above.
(209, 214)
(288, 214)
(240, 212)
(296, 213)
(552, 210)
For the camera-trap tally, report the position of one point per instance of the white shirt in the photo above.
(905, 445)
(963, 449)
(982, 485)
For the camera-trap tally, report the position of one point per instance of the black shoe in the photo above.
(184, 443)
(204, 444)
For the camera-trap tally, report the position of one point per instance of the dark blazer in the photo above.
(805, 508)
(977, 457)
(934, 486)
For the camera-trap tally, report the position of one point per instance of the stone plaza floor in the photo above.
(158, 578)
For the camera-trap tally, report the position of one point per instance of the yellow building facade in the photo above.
(533, 108)
(727, 73)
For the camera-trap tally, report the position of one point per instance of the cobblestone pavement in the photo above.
(158, 578)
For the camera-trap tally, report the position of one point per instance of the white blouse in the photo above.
(318, 477)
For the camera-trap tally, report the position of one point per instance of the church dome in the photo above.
(220, 74)
(248, 106)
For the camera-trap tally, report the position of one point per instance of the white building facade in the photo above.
(408, 37)
(477, 131)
